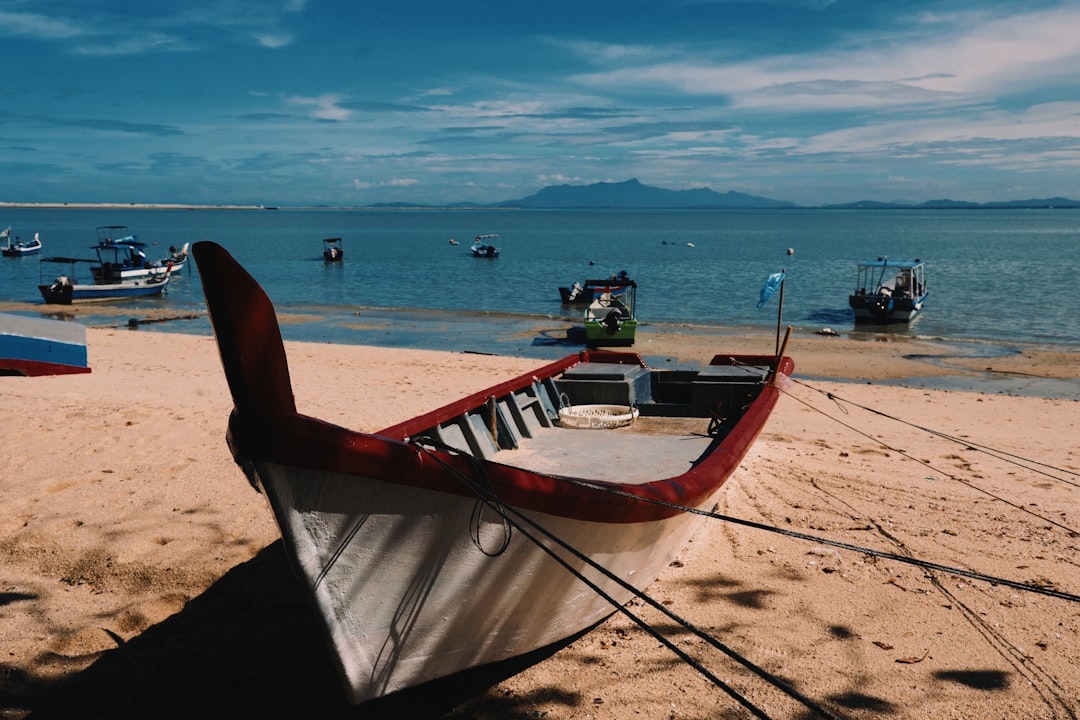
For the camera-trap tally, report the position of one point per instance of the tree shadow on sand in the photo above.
(250, 646)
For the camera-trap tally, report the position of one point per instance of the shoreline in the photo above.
(129, 206)
(898, 358)
(145, 576)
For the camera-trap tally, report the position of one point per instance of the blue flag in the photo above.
(771, 283)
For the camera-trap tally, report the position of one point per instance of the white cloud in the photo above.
(991, 128)
(942, 56)
(274, 40)
(393, 182)
(38, 26)
(323, 107)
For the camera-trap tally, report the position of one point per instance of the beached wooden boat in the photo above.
(41, 346)
(470, 534)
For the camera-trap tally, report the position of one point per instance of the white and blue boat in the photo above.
(889, 291)
(66, 290)
(16, 247)
(484, 246)
(122, 257)
(40, 346)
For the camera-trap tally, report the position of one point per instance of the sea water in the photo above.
(996, 276)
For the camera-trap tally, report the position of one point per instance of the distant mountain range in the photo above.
(631, 194)
(1057, 202)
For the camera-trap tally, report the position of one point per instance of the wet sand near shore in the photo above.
(143, 577)
(860, 354)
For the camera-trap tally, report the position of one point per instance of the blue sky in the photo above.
(304, 102)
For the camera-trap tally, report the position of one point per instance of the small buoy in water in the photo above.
(689, 244)
(827, 331)
(791, 251)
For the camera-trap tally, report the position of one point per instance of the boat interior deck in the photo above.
(676, 409)
(647, 450)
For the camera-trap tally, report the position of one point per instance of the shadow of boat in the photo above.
(248, 647)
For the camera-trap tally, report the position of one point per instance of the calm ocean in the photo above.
(1001, 277)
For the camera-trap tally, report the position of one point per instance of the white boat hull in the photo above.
(406, 596)
(61, 293)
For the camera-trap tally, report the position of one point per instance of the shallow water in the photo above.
(997, 279)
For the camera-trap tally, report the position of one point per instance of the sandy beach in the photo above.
(143, 577)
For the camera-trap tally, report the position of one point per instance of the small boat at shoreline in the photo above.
(18, 248)
(493, 526)
(582, 293)
(41, 346)
(122, 257)
(66, 290)
(484, 246)
(609, 317)
(889, 291)
(332, 250)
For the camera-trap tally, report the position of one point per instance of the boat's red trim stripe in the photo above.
(299, 441)
(34, 368)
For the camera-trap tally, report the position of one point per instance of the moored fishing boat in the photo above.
(484, 246)
(15, 247)
(122, 257)
(475, 533)
(66, 290)
(582, 293)
(889, 291)
(332, 250)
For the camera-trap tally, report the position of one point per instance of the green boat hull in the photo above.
(599, 335)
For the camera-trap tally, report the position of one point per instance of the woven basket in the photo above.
(596, 417)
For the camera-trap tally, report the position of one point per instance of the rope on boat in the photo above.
(481, 482)
(909, 456)
(925, 564)
(485, 494)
